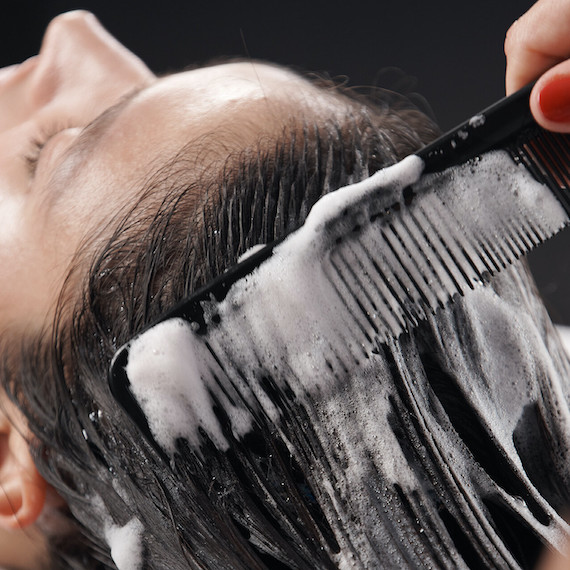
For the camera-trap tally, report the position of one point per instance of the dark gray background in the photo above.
(450, 51)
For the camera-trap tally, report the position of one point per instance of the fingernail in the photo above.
(554, 99)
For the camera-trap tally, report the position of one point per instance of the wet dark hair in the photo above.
(277, 498)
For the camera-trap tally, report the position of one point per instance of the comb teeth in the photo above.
(387, 263)
(382, 269)
(547, 156)
(461, 227)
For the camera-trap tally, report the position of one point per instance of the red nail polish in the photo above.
(554, 99)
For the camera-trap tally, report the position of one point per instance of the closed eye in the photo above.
(37, 144)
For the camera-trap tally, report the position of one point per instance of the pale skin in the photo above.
(92, 168)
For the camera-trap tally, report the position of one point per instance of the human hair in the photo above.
(270, 501)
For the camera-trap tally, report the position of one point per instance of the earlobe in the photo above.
(22, 488)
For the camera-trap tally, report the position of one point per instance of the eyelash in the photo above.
(37, 144)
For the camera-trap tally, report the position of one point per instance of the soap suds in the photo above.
(169, 368)
(315, 308)
(564, 332)
(126, 545)
(166, 378)
(301, 335)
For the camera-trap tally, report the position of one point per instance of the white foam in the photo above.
(506, 183)
(166, 380)
(287, 313)
(330, 206)
(125, 543)
(166, 372)
(282, 320)
(250, 252)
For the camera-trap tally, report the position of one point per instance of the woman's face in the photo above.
(106, 122)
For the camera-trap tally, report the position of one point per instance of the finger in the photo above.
(550, 99)
(537, 41)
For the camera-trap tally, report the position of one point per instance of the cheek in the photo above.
(30, 274)
(12, 218)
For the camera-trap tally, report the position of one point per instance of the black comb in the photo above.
(393, 258)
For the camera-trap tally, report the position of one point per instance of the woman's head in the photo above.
(143, 189)
(150, 187)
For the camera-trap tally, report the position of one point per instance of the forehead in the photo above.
(232, 82)
(199, 93)
(211, 113)
(219, 108)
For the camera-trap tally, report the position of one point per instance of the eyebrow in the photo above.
(93, 131)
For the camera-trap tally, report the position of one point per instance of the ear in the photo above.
(22, 488)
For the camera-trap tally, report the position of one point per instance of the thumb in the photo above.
(550, 99)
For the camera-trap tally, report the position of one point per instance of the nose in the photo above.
(80, 71)
(77, 55)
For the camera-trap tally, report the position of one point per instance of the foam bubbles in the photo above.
(126, 544)
(165, 375)
(285, 306)
(377, 428)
